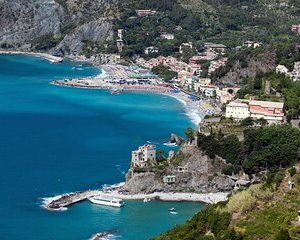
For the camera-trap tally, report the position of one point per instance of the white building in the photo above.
(144, 156)
(184, 46)
(271, 111)
(167, 36)
(169, 179)
(282, 69)
(237, 110)
(205, 81)
(295, 74)
(150, 50)
(202, 84)
(252, 44)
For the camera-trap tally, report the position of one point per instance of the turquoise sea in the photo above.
(56, 140)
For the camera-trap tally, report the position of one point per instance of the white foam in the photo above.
(47, 200)
(112, 186)
(169, 144)
(107, 236)
(102, 74)
(194, 115)
(179, 99)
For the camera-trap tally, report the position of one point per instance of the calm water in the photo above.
(57, 140)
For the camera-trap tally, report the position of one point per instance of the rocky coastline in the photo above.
(202, 181)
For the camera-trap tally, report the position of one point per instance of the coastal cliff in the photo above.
(246, 65)
(193, 171)
(59, 27)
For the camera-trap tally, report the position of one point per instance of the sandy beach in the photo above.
(196, 109)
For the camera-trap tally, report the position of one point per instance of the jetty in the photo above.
(70, 199)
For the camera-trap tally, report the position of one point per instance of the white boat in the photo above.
(107, 201)
(146, 200)
(173, 211)
(116, 91)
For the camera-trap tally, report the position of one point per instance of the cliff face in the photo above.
(201, 174)
(250, 67)
(62, 26)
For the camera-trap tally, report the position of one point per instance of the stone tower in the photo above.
(268, 88)
(120, 42)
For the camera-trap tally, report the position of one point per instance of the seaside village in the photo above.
(211, 98)
(218, 103)
(190, 83)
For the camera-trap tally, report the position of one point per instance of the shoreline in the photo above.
(195, 110)
(61, 202)
(46, 56)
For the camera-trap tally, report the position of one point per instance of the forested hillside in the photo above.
(72, 26)
(227, 22)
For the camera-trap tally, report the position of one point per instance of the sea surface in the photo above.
(56, 140)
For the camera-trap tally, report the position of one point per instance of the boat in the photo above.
(107, 201)
(146, 200)
(116, 91)
(173, 211)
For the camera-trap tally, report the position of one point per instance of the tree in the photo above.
(190, 134)
(164, 72)
(160, 155)
(247, 122)
(283, 234)
(263, 122)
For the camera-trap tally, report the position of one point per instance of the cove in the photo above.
(56, 140)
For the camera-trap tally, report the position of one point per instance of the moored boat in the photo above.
(107, 201)
(116, 91)
(173, 211)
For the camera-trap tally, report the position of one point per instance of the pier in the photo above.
(70, 199)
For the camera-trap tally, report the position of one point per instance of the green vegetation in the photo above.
(190, 134)
(211, 223)
(46, 42)
(227, 22)
(284, 89)
(164, 72)
(259, 212)
(262, 148)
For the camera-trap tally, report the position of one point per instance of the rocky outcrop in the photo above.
(199, 174)
(69, 22)
(72, 44)
(176, 139)
(250, 67)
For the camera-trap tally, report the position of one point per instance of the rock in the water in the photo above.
(176, 139)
